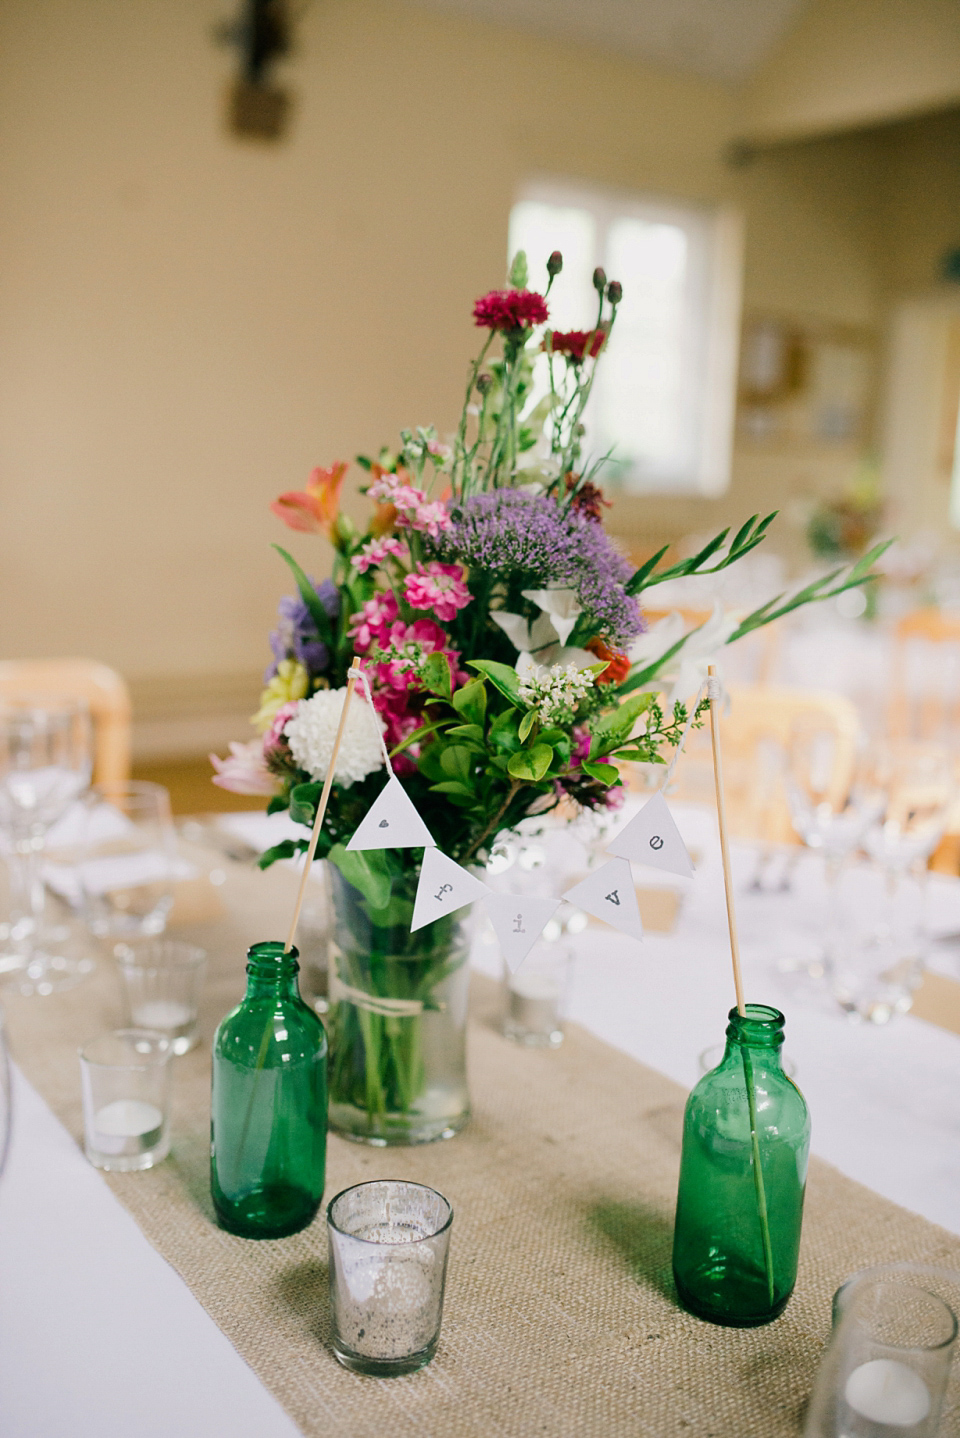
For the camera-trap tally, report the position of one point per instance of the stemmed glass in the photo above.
(45, 765)
(834, 797)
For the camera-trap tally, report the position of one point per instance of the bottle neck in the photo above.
(272, 972)
(758, 1031)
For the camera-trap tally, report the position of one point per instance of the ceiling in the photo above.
(719, 39)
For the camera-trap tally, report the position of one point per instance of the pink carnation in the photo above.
(371, 624)
(439, 587)
(509, 310)
(372, 555)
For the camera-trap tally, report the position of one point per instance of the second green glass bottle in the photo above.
(746, 1140)
(268, 1139)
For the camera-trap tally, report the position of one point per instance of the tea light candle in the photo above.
(534, 1003)
(887, 1391)
(163, 1014)
(127, 1118)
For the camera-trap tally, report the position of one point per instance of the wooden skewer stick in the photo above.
(352, 678)
(746, 1059)
(724, 850)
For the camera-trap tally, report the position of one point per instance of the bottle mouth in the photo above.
(760, 1023)
(272, 952)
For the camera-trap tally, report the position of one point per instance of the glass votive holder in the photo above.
(161, 981)
(129, 860)
(535, 997)
(388, 1245)
(886, 1367)
(125, 1079)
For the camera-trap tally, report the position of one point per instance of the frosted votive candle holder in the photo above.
(125, 1079)
(535, 997)
(388, 1245)
(162, 980)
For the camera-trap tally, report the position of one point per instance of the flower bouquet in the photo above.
(502, 637)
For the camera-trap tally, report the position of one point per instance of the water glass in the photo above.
(45, 764)
(886, 1368)
(125, 1079)
(127, 870)
(162, 980)
(388, 1245)
(5, 1097)
(535, 997)
(880, 953)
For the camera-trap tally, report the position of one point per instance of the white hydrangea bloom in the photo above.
(312, 730)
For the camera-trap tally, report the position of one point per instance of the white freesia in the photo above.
(312, 731)
(562, 605)
(523, 635)
(687, 669)
(528, 663)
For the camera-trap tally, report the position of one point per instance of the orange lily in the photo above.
(313, 510)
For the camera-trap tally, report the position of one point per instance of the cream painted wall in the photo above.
(851, 63)
(190, 323)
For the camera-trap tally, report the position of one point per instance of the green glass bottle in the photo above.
(746, 1140)
(268, 1139)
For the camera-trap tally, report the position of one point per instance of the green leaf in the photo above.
(367, 870)
(526, 724)
(417, 735)
(466, 731)
(309, 596)
(452, 786)
(614, 728)
(502, 677)
(303, 802)
(457, 762)
(532, 763)
(435, 675)
(471, 701)
(604, 773)
(286, 849)
(519, 274)
(639, 577)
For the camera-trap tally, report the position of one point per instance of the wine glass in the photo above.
(45, 765)
(834, 796)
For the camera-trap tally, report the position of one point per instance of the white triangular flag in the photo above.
(392, 822)
(518, 920)
(653, 838)
(443, 888)
(609, 894)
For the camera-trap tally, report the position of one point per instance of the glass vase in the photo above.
(746, 1140)
(397, 1018)
(269, 1113)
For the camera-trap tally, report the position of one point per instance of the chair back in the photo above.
(105, 693)
(757, 734)
(925, 677)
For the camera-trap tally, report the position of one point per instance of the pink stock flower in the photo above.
(414, 510)
(372, 623)
(439, 587)
(244, 771)
(273, 740)
(373, 554)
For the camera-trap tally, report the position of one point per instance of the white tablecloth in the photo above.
(99, 1338)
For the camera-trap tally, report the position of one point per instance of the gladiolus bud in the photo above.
(614, 292)
(599, 280)
(554, 264)
(484, 383)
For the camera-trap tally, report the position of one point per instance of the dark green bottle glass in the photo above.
(268, 1138)
(746, 1140)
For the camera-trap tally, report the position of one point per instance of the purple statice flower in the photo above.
(295, 636)
(517, 535)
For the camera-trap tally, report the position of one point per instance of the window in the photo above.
(663, 401)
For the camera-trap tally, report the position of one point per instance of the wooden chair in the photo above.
(925, 677)
(106, 695)
(757, 734)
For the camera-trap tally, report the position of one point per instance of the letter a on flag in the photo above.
(609, 893)
(653, 838)
(392, 822)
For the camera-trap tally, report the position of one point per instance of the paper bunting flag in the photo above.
(443, 888)
(518, 920)
(392, 822)
(608, 893)
(653, 838)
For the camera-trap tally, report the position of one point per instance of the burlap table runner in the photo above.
(561, 1318)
